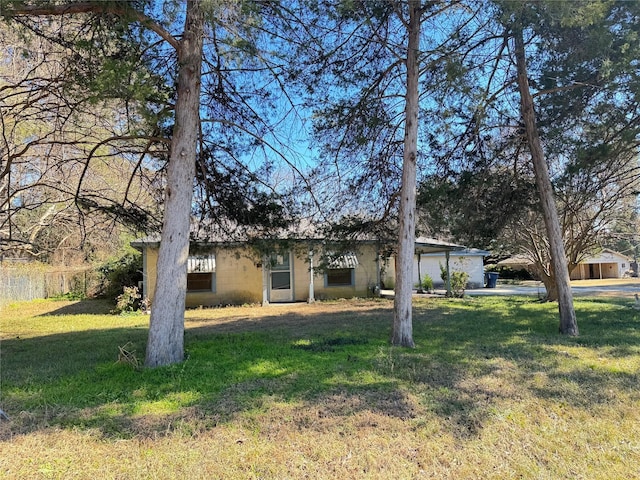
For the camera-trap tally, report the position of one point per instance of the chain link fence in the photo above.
(29, 282)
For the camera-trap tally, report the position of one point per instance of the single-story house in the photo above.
(222, 273)
(606, 264)
(469, 260)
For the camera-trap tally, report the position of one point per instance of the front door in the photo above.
(280, 278)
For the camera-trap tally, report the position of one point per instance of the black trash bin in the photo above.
(492, 279)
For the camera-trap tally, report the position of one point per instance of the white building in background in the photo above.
(470, 260)
(606, 264)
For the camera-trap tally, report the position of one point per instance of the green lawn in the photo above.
(315, 391)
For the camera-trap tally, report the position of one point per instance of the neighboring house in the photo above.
(469, 260)
(606, 264)
(223, 273)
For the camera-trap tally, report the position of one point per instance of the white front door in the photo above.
(280, 278)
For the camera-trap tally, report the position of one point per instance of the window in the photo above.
(201, 273)
(341, 269)
(280, 281)
(280, 261)
(339, 277)
(200, 282)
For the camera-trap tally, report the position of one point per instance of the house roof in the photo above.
(605, 256)
(144, 242)
(423, 245)
(516, 260)
(524, 261)
(466, 252)
(433, 245)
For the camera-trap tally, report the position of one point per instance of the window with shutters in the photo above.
(341, 270)
(201, 273)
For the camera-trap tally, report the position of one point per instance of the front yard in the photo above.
(315, 391)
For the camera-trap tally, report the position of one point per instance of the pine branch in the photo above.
(100, 7)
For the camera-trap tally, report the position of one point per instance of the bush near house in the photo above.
(458, 281)
(125, 271)
(509, 273)
(128, 301)
(427, 282)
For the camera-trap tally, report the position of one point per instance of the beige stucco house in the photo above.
(225, 273)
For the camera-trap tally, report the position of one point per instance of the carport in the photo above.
(606, 264)
(595, 271)
(431, 245)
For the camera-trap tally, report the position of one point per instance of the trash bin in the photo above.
(492, 279)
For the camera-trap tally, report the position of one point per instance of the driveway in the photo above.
(620, 287)
(613, 287)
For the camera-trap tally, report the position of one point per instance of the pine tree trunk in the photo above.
(568, 323)
(403, 321)
(166, 331)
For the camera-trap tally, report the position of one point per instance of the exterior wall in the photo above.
(301, 275)
(365, 276)
(430, 264)
(388, 273)
(150, 271)
(592, 271)
(589, 271)
(238, 280)
(239, 277)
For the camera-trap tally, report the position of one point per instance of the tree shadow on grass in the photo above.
(83, 307)
(233, 368)
(330, 365)
(526, 350)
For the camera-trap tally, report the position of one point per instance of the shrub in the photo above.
(427, 282)
(125, 271)
(128, 300)
(458, 281)
(507, 272)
